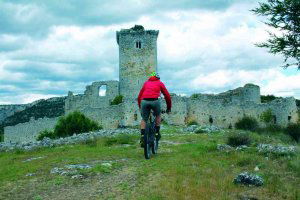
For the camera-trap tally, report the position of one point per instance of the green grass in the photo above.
(187, 167)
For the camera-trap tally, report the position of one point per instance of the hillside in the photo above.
(188, 166)
(52, 107)
(8, 110)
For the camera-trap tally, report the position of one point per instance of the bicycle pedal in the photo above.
(142, 142)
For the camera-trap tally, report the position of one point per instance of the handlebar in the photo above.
(164, 111)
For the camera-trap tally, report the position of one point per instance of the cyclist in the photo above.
(148, 100)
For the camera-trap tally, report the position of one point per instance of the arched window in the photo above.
(138, 44)
(274, 119)
(102, 90)
(210, 120)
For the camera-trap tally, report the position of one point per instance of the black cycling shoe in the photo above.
(158, 136)
(142, 141)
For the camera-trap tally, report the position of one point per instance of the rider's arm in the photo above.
(167, 95)
(140, 96)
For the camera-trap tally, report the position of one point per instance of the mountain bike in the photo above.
(150, 141)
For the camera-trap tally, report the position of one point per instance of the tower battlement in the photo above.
(136, 30)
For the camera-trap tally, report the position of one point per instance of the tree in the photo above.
(284, 17)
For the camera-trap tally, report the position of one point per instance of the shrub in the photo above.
(117, 100)
(271, 128)
(298, 102)
(1, 133)
(267, 98)
(267, 116)
(74, 122)
(199, 130)
(45, 133)
(293, 130)
(247, 123)
(237, 139)
(192, 122)
(195, 96)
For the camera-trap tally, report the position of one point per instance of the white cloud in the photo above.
(28, 98)
(198, 50)
(272, 81)
(69, 44)
(283, 85)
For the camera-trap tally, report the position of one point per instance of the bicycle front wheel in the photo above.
(147, 149)
(155, 146)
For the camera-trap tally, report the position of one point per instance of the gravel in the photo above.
(202, 129)
(31, 159)
(276, 149)
(226, 147)
(78, 166)
(106, 165)
(74, 170)
(248, 179)
(241, 148)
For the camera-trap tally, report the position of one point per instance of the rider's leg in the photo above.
(143, 127)
(157, 113)
(158, 120)
(157, 123)
(145, 112)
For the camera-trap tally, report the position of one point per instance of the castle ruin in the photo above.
(137, 59)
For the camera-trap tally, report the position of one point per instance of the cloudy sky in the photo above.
(48, 48)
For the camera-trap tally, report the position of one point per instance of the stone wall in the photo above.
(225, 109)
(26, 132)
(285, 110)
(109, 117)
(179, 113)
(91, 97)
(97, 107)
(222, 110)
(132, 116)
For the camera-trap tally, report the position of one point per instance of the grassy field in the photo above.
(187, 167)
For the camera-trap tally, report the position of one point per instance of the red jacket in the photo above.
(152, 89)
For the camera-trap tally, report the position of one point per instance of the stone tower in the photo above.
(137, 58)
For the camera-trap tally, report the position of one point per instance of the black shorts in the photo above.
(147, 106)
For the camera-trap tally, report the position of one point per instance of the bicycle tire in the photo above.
(154, 145)
(147, 149)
